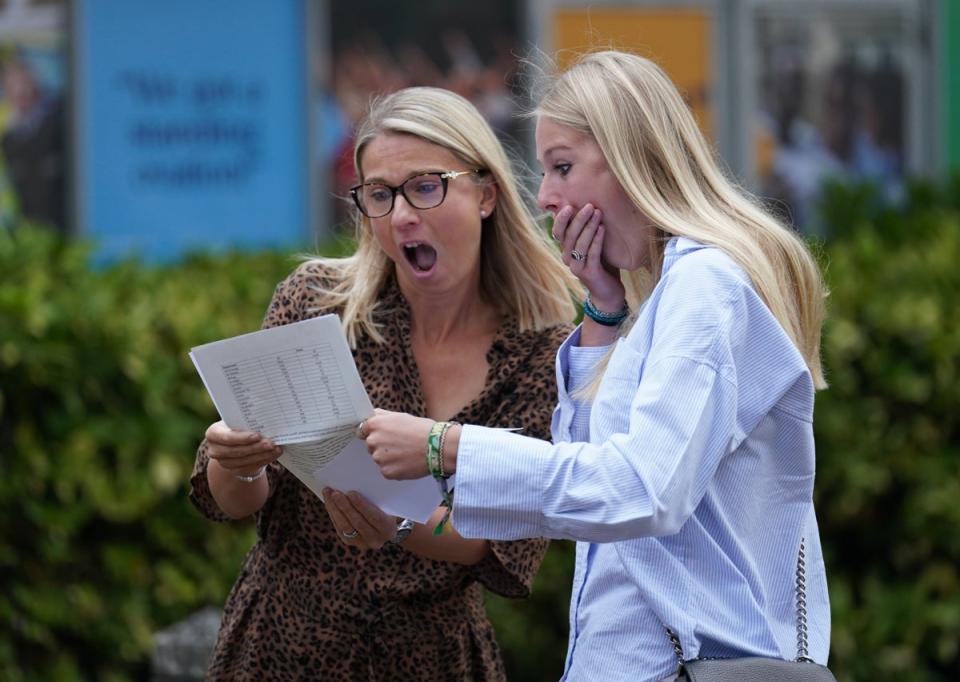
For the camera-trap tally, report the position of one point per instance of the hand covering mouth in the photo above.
(421, 255)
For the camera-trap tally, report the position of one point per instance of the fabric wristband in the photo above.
(435, 442)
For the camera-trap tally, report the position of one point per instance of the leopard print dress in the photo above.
(306, 607)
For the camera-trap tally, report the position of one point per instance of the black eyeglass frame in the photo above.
(445, 178)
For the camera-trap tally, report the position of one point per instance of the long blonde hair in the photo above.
(651, 142)
(520, 268)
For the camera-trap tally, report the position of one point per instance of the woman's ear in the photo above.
(488, 198)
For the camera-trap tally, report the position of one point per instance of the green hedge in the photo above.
(888, 434)
(100, 410)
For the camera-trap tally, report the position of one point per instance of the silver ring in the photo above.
(350, 534)
(361, 432)
(577, 256)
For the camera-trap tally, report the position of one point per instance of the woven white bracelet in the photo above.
(251, 479)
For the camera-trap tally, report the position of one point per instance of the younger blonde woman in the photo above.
(685, 470)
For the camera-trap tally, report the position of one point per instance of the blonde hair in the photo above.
(651, 142)
(521, 271)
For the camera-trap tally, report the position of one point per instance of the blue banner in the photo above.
(191, 121)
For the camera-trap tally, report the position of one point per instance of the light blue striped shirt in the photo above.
(687, 481)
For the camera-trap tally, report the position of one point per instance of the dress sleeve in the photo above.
(200, 493)
(511, 566)
(285, 307)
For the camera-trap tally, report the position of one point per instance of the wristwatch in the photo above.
(404, 528)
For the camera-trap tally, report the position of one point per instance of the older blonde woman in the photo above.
(686, 472)
(454, 304)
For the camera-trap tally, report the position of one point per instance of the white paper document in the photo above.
(298, 386)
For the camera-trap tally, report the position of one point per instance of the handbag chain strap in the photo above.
(801, 590)
(802, 605)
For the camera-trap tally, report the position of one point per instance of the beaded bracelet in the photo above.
(600, 317)
(251, 479)
(443, 443)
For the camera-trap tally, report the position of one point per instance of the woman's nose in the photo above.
(546, 199)
(403, 214)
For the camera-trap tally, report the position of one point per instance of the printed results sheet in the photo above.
(298, 385)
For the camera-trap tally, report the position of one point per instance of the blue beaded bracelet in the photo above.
(606, 319)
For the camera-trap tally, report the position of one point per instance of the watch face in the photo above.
(403, 530)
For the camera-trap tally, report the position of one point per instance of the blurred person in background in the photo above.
(683, 456)
(34, 146)
(454, 304)
(367, 67)
(857, 134)
(878, 143)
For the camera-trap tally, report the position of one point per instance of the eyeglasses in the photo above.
(426, 190)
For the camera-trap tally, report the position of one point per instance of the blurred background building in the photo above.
(159, 128)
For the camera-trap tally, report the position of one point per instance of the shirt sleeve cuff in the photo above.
(582, 362)
(575, 368)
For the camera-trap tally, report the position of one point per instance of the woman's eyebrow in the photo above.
(553, 150)
(383, 181)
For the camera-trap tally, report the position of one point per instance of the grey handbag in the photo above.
(756, 668)
(753, 670)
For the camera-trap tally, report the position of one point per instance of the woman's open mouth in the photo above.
(421, 256)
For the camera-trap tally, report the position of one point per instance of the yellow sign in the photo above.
(677, 39)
